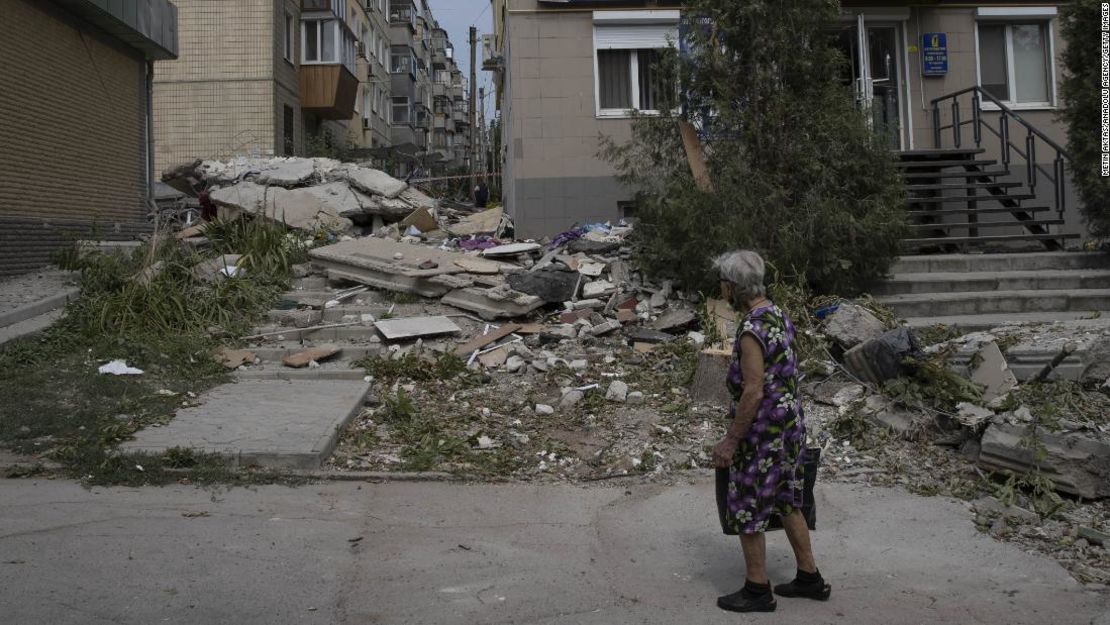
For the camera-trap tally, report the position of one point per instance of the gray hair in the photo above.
(745, 269)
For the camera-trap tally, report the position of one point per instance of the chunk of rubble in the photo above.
(551, 285)
(287, 172)
(416, 327)
(1077, 464)
(306, 357)
(369, 181)
(993, 373)
(852, 324)
(617, 391)
(880, 359)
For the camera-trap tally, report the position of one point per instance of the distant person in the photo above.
(481, 195)
(760, 461)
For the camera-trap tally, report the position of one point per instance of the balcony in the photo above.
(328, 91)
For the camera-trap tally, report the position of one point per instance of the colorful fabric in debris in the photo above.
(766, 475)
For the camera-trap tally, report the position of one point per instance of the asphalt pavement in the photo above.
(344, 552)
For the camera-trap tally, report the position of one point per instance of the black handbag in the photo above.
(809, 506)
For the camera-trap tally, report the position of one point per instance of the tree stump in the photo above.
(709, 381)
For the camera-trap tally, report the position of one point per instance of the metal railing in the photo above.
(1008, 148)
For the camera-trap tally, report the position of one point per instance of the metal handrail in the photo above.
(1003, 133)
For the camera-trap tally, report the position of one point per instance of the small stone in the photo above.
(1082, 543)
(618, 391)
(544, 409)
(540, 365)
(697, 338)
(514, 364)
(605, 328)
(570, 398)
(579, 364)
(635, 398)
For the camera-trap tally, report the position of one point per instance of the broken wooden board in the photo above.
(482, 340)
(485, 222)
(313, 354)
(422, 219)
(415, 327)
(726, 319)
(709, 380)
(695, 156)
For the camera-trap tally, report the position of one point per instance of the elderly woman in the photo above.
(764, 446)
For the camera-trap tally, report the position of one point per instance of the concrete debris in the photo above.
(618, 391)
(851, 325)
(674, 319)
(485, 222)
(369, 181)
(544, 410)
(1076, 463)
(234, 358)
(972, 416)
(415, 327)
(512, 249)
(551, 285)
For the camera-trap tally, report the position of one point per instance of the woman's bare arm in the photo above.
(751, 365)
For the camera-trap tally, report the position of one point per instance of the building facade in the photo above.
(265, 78)
(570, 70)
(85, 67)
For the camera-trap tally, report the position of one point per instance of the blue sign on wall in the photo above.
(934, 54)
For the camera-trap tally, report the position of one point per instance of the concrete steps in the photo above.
(980, 290)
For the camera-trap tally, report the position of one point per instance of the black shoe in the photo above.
(819, 590)
(744, 601)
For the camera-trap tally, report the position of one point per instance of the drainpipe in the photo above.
(150, 133)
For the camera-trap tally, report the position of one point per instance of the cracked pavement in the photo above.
(347, 552)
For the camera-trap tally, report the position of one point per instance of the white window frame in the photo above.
(629, 18)
(392, 104)
(1009, 17)
(366, 103)
(320, 41)
(290, 37)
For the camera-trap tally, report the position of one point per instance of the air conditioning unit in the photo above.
(366, 123)
(360, 50)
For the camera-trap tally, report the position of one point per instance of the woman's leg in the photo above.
(797, 532)
(755, 556)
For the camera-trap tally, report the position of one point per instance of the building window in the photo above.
(1014, 62)
(326, 41)
(627, 79)
(401, 63)
(289, 143)
(367, 99)
(402, 113)
(289, 37)
(627, 48)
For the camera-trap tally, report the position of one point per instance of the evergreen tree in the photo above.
(797, 173)
(1082, 87)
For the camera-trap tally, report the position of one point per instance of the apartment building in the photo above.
(569, 70)
(267, 78)
(76, 160)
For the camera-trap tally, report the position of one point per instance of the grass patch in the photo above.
(152, 309)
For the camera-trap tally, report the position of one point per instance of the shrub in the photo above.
(1081, 89)
(796, 171)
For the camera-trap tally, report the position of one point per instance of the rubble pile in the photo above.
(557, 359)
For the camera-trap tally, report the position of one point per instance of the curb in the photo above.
(40, 307)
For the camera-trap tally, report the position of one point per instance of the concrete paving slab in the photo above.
(29, 327)
(415, 327)
(272, 423)
(495, 554)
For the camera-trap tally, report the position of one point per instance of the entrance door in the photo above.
(871, 51)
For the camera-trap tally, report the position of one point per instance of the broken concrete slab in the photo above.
(880, 359)
(605, 327)
(370, 181)
(590, 268)
(311, 355)
(287, 172)
(850, 325)
(493, 303)
(421, 219)
(225, 266)
(647, 335)
(971, 416)
(511, 249)
(282, 424)
(674, 318)
(598, 288)
(495, 358)
(1077, 464)
(393, 266)
(416, 327)
(550, 285)
(297, 208)
(993, 373)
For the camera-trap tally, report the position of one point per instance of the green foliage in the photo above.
(797, 173)
(933, 385)
(1081, 90)
(415, 367)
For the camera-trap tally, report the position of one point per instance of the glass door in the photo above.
(873, 71)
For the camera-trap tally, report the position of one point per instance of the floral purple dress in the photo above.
(766, 475)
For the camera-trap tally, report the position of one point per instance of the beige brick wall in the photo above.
(72, 131)
(286, 77)
(218, 98)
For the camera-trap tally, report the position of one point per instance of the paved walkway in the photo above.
(340, 553)
(273, 423)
